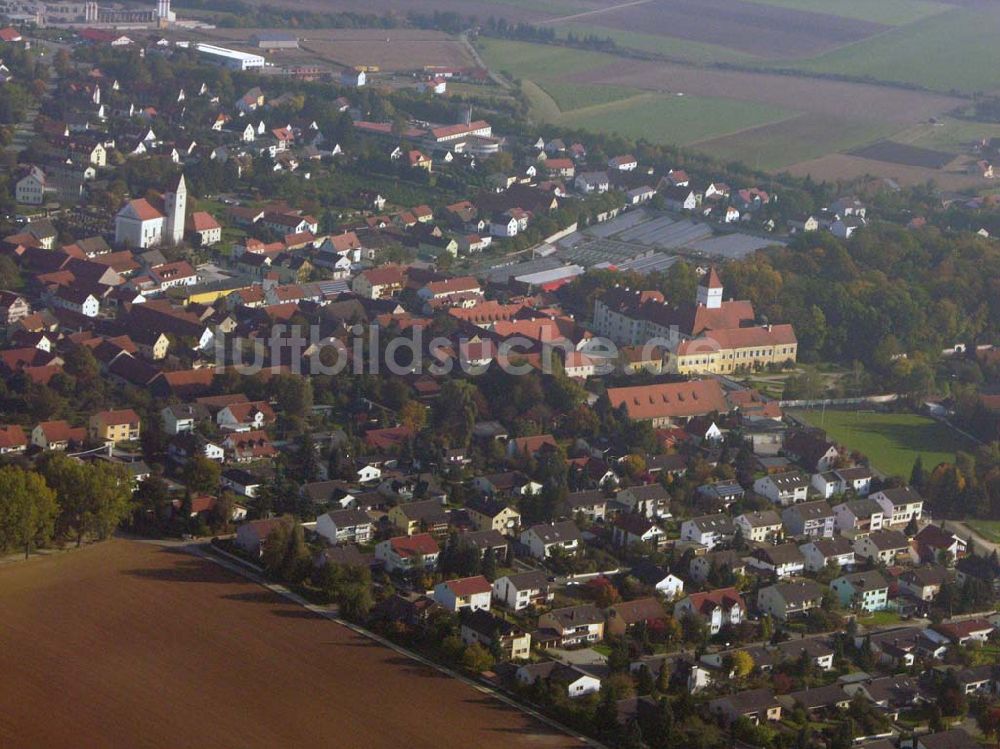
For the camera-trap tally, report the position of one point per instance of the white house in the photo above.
(863, 591)
(522, 589)
(467, 593)
(543, 538)
(900, 505)
(882, 546)
(402, 553)
(839, 481)
(708, 530)
(717, 608)
(821, 552)
(344, 526)
(783, 488)
(577, 682)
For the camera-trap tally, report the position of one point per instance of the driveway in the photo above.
(582, 657)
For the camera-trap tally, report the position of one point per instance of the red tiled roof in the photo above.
(705, 603)
(12, 436)
(419, 543)
(144, 210)
(113, 418)
(202, 221)
(468, 586)
(671, 400)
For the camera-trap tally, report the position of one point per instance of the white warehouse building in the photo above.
(230, 58)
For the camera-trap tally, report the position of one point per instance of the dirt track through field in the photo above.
(125, 644)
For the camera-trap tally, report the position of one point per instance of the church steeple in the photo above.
(710, 290)
(176, 205)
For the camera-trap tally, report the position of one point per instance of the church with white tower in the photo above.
(142, 224)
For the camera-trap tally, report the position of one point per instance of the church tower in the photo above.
(176, 205)
(710, 290)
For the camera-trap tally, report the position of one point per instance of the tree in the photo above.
(477, 659)
(917, 477)
(742, 664)
(28, 509)
(413, 416)
(201, 475)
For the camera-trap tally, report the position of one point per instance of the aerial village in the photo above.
(632, 538)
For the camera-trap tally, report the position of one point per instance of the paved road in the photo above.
(963, 529)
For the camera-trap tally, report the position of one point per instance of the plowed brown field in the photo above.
(125, 644)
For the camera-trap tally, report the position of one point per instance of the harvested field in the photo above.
(901, 153)
(125, 644)
(844, 167)
(761, 30)
(891, 12)
(839, 98)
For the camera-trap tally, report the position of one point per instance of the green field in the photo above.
(618, 110)
(892, 442)
(539, 62)
(809, 136)
(956, 50)
(889, 12)
(678, 120)
(949, 135)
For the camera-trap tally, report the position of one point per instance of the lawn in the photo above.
(889, 12)
(956, 50)
(988, 529)
(892, 442)
(880, 619)
(678, 120)
(949, 135)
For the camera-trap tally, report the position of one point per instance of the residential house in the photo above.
(723, 607)
(57, 435)
(811, 450)
(862, 591)
(783, 560)
(404, 553)
(572, 625)
(632, 528)
(859, 516)
(624, 617)
(881, 546)
(576, 681)
(923, 583)
(661, 580)
(966, 631)
(12, 439)
(592, 505)
(821, 553)
(702, 566)
(491, 514)
(761, 526)
(345, 526)
(544, 539)
(934, 544)
(495, 634)
(900, 505)
(183, 417)
(842, 480)
(785, 600)
(756, 705)
(522, 589)
(812, 519)
(783, 489)
(115, 426)
(709, 530)
(245, 416)
(651, 500)
(251, 536)
(427, 515)
(467, 593)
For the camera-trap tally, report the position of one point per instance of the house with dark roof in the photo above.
(571, 626)
(522, 589)
(632, 528)
(545, 538)
(862, 591)
(427, 515)
(810, 519)
(623, 617)
(495, 634)
(786, 600)
(756, 705)
(782, 560)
